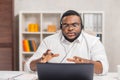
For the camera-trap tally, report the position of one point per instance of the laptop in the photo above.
(65, 71)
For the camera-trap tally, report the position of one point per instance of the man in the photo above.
(71, 45)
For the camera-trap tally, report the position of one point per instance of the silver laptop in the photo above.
(65, 71)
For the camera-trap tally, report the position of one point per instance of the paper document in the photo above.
(27, 76)
(9, 75)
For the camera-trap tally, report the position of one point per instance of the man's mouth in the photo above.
(71, 34)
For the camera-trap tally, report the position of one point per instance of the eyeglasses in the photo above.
(75, 25)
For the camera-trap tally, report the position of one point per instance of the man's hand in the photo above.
(47, 56)
(76, 59)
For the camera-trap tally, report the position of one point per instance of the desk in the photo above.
(18, 75)
(108, 76)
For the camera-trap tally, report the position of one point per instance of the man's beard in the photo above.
(71, 40)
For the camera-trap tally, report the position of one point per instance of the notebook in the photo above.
(65, 71)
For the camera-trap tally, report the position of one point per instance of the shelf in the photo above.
(31, 32)
(50, 19)
(28, 53)
(92, 21)
(48, 32)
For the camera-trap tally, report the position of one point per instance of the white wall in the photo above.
(112, 18)
(112, 32)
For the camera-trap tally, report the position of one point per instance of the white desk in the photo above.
(109, 76)
(17, 75)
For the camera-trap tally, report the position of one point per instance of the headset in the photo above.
(72, 12)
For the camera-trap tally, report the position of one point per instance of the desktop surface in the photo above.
(33, 76)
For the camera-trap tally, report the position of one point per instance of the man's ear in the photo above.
(82, 27)
(60, 26)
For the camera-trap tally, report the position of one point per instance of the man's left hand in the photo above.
(78, 60)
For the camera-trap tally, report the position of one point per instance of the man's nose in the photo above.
(70, 27)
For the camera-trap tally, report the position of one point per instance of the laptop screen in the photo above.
(65, 71)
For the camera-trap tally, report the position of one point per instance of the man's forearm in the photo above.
(33, 64)
(98, 69)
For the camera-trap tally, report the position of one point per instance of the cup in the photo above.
(118, 71)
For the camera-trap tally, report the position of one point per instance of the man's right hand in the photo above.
(48, 55)
(45, 58)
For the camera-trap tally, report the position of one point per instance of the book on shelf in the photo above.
(26, 46)
(29, 45)
(34, 45)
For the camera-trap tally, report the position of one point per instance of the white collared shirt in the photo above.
(85, 46)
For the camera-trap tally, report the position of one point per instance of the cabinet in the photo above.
(93, 21)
